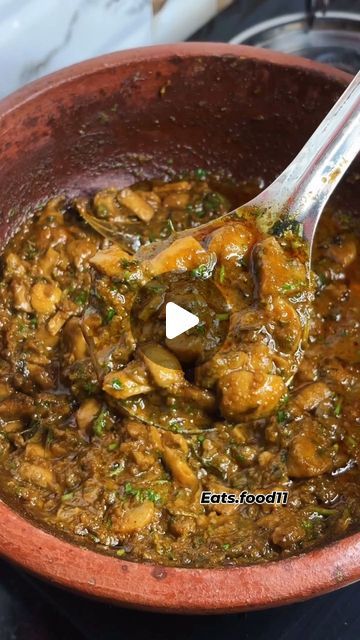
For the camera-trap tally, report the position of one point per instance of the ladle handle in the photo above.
(303, 189)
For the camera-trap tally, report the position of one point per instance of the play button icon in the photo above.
(186, 314)
(178, 320)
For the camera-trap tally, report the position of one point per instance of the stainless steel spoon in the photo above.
(302, 189)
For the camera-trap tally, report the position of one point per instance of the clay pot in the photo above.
(156, 112)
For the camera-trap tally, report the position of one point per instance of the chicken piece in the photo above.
(344, 253)
(217, 487)
(150, 197)
(41, 475)
(174, 441)
(48, 262)
(14, 265)
(135, 429)
(309, 454)
(133, 380)
(74, 341)
(181, 255)
(105, 203)
(21, 296)
(143, 460)
(80, 251)
(56, 323)
(179, 469)
(43, 338)
(203, 398)
(109, 261)
(231, 242)
(182, 185)
(134, 519)
(86, 413)
(177, 200)
(5, 390)
(276, 272)
(54, 210)
(287, 329)
(310, 396)
(207, 374)
(16, 406)
(164, 368)
(45, 297)
(182, 526)
(133, 201)
(288, 532)
(187, 348)
(13, 426)
(244, 393)
(34, 451)
(258, 358)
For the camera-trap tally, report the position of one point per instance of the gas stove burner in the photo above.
(333, 38)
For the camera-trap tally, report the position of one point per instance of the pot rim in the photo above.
(92, 66)
(149, 586)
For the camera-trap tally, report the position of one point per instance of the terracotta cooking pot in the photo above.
(156, 112)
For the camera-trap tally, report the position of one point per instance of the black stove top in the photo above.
(244, 14)
(33, 610)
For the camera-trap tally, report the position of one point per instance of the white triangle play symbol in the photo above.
(178, 320)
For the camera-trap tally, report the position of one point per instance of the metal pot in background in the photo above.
(332, 37)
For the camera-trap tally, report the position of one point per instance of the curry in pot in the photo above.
(109, 438)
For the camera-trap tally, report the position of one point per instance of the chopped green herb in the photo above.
(226, 546)
(213, 202)
(308, 525)
(49, 438)
(110, 313)
(80, 297)
(281, 416)
(200, 328)
(200, 174)
(203, 271)
(129, 490)
(120, 552)
(117, 384)
(141, 494)
(222, 274)
(291, 286)
(22, 327)
(67, 496)
(31, 250)
(338, 408)
(113, 446)
(125, 264)
(157, 288)
(197, 209)
(100, 423)
(175, 424)
(150, 494)
(284, 225)
(89, 387)
(170, 226)
(350, 442)
(116, 469)
(323, 511)
(222, 316)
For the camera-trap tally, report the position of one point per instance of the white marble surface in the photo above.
(41, 36)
